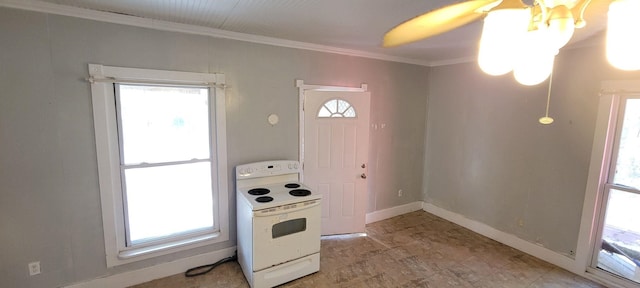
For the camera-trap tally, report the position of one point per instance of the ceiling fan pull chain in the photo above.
(546, 120)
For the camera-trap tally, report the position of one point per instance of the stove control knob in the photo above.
(295, 166)
(290, 166)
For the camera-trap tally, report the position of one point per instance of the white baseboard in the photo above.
(393, 211)
(504, 238)
(135, 277)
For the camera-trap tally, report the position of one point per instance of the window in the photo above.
(609, 241)
(619, 231)
(627, 165)
(337, 108)
(160, 139)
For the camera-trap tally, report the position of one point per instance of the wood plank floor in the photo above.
(411, 250)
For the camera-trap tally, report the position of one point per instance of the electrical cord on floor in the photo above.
(204, 269)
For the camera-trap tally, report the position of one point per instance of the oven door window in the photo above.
(288, 227)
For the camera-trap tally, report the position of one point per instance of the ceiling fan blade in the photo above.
(436, 22)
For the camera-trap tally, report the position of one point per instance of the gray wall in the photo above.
(49, 197)
(490, 160)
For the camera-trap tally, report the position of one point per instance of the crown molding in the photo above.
(51, 8)
(452, 61)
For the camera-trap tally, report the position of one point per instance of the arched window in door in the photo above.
(337, 108)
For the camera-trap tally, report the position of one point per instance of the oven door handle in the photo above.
(281, 210)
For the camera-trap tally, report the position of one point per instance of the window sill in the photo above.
(166, 248)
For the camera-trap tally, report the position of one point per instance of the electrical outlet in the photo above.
(34, 268)
(400, 193)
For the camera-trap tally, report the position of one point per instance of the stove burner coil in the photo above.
(300, 192)
(258, 191)
(292, 185)
(264, 199)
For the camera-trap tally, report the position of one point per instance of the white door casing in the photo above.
(336, 125)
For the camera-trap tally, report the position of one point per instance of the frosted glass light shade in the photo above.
(623, 39)
(536, 58)
(561, 26)
(500, 41)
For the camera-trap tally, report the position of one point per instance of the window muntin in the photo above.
(627, 167)
(113, 178)
(337, 108)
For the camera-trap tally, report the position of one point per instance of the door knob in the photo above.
(363, 176)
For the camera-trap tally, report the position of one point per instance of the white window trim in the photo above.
(599, 168)
(106, 134)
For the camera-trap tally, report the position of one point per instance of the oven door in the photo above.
(285, 233)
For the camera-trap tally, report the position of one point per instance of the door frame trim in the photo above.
(301, 89)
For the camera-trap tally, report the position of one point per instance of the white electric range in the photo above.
(278, 223)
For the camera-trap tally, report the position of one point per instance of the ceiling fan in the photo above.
(511, 29)
(456, 15)
(526, 38)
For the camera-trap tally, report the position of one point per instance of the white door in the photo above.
(336, 144)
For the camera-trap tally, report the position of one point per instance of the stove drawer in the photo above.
(286, 272)
(285, 236)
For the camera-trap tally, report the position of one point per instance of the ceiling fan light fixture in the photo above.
(623, 39)
(499, 43)
(561, 25)
(535, 62)
(537, 71)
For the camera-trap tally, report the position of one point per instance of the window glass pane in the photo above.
(342, 106)
(332, 105)
(627, 171)
(167, 200)
(324, 112)
(162, 124)
(620, 250)
(350, 113)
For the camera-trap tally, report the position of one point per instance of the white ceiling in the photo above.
(345, 24)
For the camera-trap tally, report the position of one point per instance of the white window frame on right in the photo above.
(105, 86)
(601, 181)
